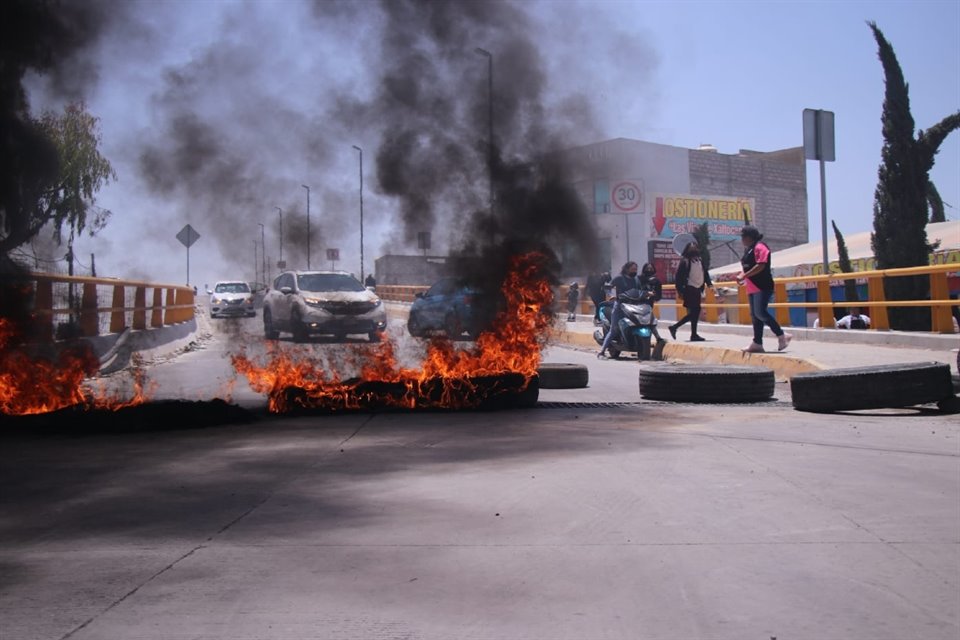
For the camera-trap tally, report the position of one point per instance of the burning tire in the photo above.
(707, 384)
(562, 375)
(878, 387)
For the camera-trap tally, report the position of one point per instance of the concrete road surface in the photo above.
(646, 521)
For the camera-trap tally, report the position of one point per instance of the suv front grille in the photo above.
(348, 308)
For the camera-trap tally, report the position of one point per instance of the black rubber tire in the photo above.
(878, 387)
(269, 332)
(562, 375)
(375, 336)
(452, 327)
(644, 353)
(707, 384)
(414, 328)
(297, 329)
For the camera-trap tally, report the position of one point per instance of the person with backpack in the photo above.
(691, 279)
(757, 277)
(573, 300)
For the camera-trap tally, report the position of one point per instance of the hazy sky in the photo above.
(736, 75)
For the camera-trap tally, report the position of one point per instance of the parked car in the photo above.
(231, 298)
(306, 303)
(449, 306)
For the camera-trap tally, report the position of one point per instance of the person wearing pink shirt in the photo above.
(758, 278)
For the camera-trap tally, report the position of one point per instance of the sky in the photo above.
(260, 98)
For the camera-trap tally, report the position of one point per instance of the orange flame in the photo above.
(30, 385)
(447, 378)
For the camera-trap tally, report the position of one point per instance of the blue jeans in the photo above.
(614, 326)
(761, 317)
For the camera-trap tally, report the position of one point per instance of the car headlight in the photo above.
(377, 302)
(215, 300)
(314, 302)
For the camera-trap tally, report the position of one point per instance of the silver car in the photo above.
(231, 298)
(322, 302)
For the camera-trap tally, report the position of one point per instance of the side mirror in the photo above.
(286, 290)
(418, 294)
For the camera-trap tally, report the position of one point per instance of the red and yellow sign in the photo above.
(724, 215)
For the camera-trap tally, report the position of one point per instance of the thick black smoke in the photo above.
(432, 105)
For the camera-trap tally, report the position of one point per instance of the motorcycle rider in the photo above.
(624, 282)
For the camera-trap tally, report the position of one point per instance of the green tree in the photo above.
(937, 212)
(901, 199)
(67, 199)
(702, 235)
(849, 285)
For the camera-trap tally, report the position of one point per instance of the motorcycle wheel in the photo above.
(644, 352)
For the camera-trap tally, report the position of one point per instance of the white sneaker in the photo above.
(754, 348)
(784, 340)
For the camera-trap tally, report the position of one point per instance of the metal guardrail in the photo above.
(171, 304)
(939, 302)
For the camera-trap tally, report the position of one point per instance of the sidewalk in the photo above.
(803, 354)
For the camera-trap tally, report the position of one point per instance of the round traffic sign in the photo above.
(626, 196)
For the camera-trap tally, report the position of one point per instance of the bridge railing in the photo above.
(96, 306)
(737, 308)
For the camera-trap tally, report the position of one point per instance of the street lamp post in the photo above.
(490, 147)
(361, 210)
(263, 252)
(256, 265)
(308, 224)
(280, 259)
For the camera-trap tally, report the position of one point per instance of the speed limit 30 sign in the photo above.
(627, 197)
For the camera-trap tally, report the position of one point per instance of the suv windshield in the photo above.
(232, 287)
(328, 282)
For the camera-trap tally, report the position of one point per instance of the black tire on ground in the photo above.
(879, 387)
(708, 384)
(297, 329)
(269, 332)
(560, 375)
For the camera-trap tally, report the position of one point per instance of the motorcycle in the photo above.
(636, 330)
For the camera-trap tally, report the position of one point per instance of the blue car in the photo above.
(448, 306)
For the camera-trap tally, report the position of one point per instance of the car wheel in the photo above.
(414, 328)
(269, 332)
(878, 387)
(297, 329)
(452, 327)
(713, 384)
(561, 375)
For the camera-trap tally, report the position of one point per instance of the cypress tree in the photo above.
(702, 235)
(900, 202)
(937, 213)
(849, 285)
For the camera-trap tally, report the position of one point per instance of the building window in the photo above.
(601, 196)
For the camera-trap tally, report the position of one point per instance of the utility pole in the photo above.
(280, 259)
(308, 224)
(361, 210)
(263, 252)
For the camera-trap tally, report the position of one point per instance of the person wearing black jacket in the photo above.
(651, 290)
(626, 281)
(691, 279)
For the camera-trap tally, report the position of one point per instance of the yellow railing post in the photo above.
(940, 318)
(780, 295)
(156, 313)
(140, 308)
(118, 315)
(169, 313)
(89, 318)
(743, 313)
(825, 305)
(43, 311)
(713, 313)
(879, 319)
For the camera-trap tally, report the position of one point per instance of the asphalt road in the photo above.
(643, 521)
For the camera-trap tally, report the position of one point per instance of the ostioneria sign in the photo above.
(724, 215)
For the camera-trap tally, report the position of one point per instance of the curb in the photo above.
(783, 366)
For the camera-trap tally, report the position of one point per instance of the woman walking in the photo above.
(690, 280)
(758, 278)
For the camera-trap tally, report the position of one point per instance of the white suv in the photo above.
(231, 298)
(321, 302)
